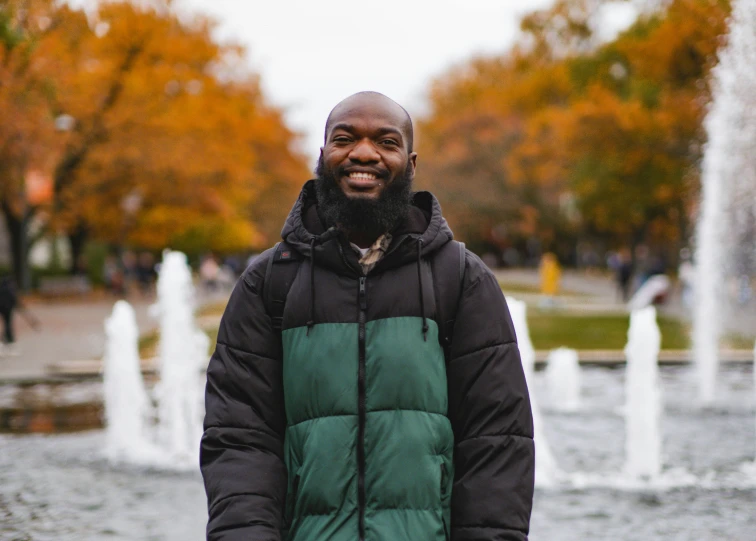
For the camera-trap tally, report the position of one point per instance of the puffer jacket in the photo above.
(351, 423)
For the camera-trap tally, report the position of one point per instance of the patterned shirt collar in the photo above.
(375, 253)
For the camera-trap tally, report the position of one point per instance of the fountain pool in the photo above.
(62, 488)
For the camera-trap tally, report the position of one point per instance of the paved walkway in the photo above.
(69, 331)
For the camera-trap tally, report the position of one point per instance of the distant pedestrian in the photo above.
(624, 274)
(128, 266)
(550, 274)
(209, 273)
(8, 303)
(112, 275)
(686, 274)
(145, 272)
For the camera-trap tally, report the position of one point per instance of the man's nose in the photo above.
(364, 152)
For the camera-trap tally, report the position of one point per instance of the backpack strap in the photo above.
(448, 268)
(279, 275)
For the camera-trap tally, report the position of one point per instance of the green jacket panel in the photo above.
(408, 440)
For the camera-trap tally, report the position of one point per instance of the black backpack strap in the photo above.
(448, 269)
(279, 275)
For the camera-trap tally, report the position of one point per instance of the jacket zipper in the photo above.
(361, 411)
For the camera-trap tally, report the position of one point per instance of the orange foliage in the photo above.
(173, 142)
(616, 127)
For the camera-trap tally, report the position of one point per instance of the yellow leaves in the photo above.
(184, 229)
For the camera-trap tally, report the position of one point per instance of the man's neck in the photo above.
(361, 239)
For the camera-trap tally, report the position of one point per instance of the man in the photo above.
(354, 422)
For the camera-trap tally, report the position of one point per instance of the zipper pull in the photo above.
(363, 295)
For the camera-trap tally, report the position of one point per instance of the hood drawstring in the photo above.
(420, 281)
(311, 321)
(322, 239)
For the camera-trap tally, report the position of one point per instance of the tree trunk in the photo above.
(78, 239)
(19, 245)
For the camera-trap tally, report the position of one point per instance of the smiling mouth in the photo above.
(362, 176)
(362, 181)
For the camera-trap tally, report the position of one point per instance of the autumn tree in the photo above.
(34, 36)
(189, 133)
(480, 116)
(566, 137)
(633, 132)
(172, 142)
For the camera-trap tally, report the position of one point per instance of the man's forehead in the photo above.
(368, 111)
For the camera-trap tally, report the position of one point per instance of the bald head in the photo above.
(373, 103)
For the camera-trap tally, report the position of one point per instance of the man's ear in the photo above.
(319, 165)
(413, 160)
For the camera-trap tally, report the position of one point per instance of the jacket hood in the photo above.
(304, 232)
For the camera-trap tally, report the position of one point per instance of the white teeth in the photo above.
(362, 176)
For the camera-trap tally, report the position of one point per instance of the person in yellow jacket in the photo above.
(550, 273)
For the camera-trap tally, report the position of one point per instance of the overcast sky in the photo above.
(313, 53)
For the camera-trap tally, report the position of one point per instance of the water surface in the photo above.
(60, 488)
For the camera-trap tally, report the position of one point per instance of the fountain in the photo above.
(168, 434)
(563, 379)
(643, 405)
(128, 406)
(727, 221)
(182, 353)
(547, 470)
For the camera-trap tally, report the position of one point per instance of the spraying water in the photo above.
(183, 350)
(643, 397)
(138, 432)
(127, 406)
(547, 470)
(563, 379)
(727, 222)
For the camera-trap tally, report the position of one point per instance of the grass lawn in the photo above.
(518, 288)
(212, 309)
(148, 343)
(549, 330)
(513, 287)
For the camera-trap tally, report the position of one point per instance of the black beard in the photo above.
(363, 215)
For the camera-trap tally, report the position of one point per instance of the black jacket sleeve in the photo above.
(241, 454)
(489, 408)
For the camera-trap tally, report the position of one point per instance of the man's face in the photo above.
(367, 147)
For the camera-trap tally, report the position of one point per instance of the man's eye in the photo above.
(341, 139)
(389, 142)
